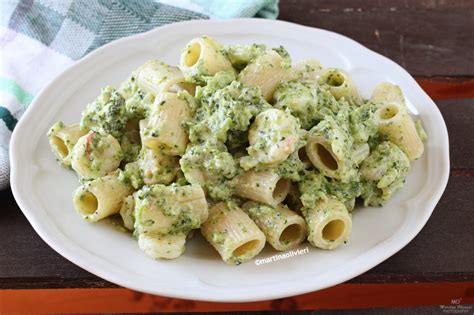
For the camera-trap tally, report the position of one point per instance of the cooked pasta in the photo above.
(164, 129)
(329, 147)
(265, 72)
(169, 209)
(329, 223)
(233, 234)
(309, 69)
(203, 57)
(168, 246)
(266, 187)
(101, 197)
(394, 122)
(127, 212)
(62, 139)
(340, 85)
(157, 167)
(157, 77)
(241, 144)
(283, 228)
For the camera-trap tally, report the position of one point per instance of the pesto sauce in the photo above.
(233, 129)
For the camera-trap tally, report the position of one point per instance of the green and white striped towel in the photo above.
(40, 38)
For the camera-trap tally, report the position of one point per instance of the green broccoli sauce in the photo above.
(224, 106)
(383, 173)
(241, 55)
(224, 112)
(107, 114)
(163, 198)
(216, 165)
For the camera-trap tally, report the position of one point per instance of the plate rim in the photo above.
(197, 292)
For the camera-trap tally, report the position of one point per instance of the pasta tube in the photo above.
(95, 155)
(101, 197)
(340, 85)
(265, 72)
(164, 128)
(396, 125)
(157, 77)
(158, 246)
(329, 223)
(387, 93)
(329, 147)
(241, 55)
(233, 234)
(203, 57)
(156, 167)
(283, 228)
(171, 209)
(62, 139)
(360, 152)
(266, 187)
(309, 69)
(393, 120)
(127, 212)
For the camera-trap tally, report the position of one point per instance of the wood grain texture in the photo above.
(459, 118)
(427, 38)
(343, 296)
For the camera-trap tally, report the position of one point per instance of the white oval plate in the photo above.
(43, 190)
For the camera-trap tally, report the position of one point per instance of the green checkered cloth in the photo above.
(40, 38)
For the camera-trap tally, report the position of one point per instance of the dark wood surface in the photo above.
(434, 41)
(427, 37)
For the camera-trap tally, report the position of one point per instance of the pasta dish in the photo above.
(241, 144)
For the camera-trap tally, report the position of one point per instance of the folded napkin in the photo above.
(40, 38)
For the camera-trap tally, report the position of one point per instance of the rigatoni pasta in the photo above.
(233, 234)
(329, 147)
(394, 122)
(157, 167)
(203, 57)
(265, 72)
(62, 139)
(283, 228)
(165, 215)
(309, 69)
(329, 223)
(169, 209)
(157, 77)
(266, 187)
(240, 144)
(168, 246)
(164, 129)
(340, 85)
(127, 212)
(101, 197)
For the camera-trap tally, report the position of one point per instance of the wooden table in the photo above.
(434, 41)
